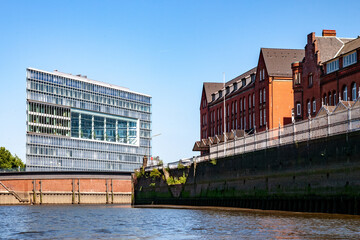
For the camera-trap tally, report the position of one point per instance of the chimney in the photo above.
(329, 33)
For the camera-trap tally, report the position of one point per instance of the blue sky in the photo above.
(166, 49)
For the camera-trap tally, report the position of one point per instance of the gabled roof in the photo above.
(343, 105)
(325, 110)
(350, 46)
(210, 88)
(278, 61)
(330, 46)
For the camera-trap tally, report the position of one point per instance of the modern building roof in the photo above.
(87, 80)
(278, 61)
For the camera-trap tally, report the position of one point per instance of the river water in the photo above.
(124, 222)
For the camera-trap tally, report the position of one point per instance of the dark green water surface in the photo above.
(124, 222)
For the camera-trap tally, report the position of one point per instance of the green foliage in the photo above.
(167, 169)
(174, 180)
(152, 184)
(140, 173)
(181, 166)
(155, 173)
(8, 161)
(213, 161)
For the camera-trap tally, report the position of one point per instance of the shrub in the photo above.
(155, 173)
(181, 166)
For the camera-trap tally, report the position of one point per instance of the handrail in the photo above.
(14, 194)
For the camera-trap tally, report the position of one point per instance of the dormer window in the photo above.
(235, 86)
(253, 77)
(332, 66)
(243, 82)
(220, 93)
(227, 90)
(213, 96)
(349, 59)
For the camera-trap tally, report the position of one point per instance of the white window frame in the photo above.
(332, 66)
(298, 109)
(349, 59)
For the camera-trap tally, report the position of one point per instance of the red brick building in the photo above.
(321, 77)
(257, 99)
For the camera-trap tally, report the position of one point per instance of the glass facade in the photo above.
(74, 123)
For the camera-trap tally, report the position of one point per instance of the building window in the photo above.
(308, 107)
(235, 86)
(334, 94)
(220, 94)
(345, 96)
(241, 106)
(260, 117)
(325, 100)
(260, 93)
(298, 109)
(310, 80)
(353, 92)
(244, 104)
(260, 75)
(227, 90)
(250, 120)
(235, 107)
(244, 122)
(253, 100)
(243, 82)
(254, 120)
(332, 66)
(213, 96)
(349, 59)
(297, 78)
(263, 75)
(314, 105)
(330, 102)
(249, 101)
(264, 117)
(264, 96)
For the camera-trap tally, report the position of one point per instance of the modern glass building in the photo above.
(74, 123)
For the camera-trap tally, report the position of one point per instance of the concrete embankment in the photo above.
(65, 188)
(319, 175)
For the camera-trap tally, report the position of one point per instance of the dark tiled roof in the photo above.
(278, 61)
(210, 88)
(329, 46)
(238, 78)
(350, 46)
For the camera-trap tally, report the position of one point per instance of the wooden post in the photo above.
(78, 191)
(40, 192)
(34, 191)
(112, 192)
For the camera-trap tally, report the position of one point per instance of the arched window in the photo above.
(330, 102)
(334, 97)
(325, 99)
(314, 105)
(264, 95)
(353, 92)
(345, 96)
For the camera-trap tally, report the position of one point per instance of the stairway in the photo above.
(21, 200)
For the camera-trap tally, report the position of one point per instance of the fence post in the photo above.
(294, 133)
(349, 119)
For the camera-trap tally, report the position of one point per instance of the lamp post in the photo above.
(149, 145)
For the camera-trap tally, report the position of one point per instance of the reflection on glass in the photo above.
(86, 123)
(98, 128)
(74, 124)
(122, 131)
(110, 129)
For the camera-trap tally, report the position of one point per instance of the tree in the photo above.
(8, 161)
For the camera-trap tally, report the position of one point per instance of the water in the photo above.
(124, 222)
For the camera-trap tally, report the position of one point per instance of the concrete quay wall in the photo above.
(65, 188)
(319, 175)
